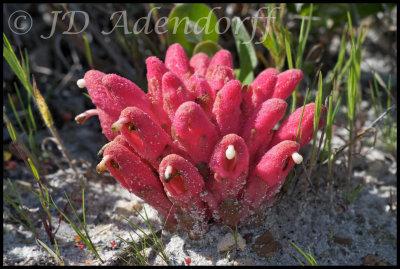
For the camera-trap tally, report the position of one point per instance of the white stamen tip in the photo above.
(102, 166)
(297, 158)
(168, 171)
(230, 152)
(117, 126)
(81, 83)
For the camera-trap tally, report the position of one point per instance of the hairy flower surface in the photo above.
(200, 147)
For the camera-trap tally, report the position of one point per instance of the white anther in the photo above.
(168, 171)
(230, 152)
(81, 83)
(297, 158)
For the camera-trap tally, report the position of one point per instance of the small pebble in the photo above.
(228, 241)
(127, 208)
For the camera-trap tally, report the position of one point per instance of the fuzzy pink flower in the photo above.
(200, 62)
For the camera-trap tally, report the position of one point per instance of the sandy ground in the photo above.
(364, 232)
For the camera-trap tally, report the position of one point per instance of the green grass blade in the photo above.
(318, 108)
(247, 55)
(87, 95)
(32, 119)
(351, 28)
(74, 227)
(303, 39)
(27, 67)
(34, 170)
(299, 46)
(16, 114)
(18, 220)
(298, 134)
(28, 122)
(15, 206)
(51, 252)
(305, 255)
(12, 60)
(311, 257)
(10, 128)
(156, 245)
(288, 53)
(19, 208)
(337, 107)
(136, 253)
(155, 239)
(19, 95)
(31, 143)
(377, 93)
(58, 252)
(15, 193)
(73, 209)
(88, 52)
(83, 202)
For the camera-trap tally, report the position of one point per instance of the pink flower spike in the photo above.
(269, 175)
(257, 128)
(200, 62)
(199, 87)
(177, 61)
(199, 146)
(144, 135)
(107, 108)
(287, 82)
(194, 131)
(112, 243)
(106, 120)
(288, 129)
(127, 93)
(174, 93)
(229, 164)
(262, 149)
(259, 91)
(160, 116)
(221, 58)
(99, 94)
(155, 71)
(183, 185)
(133, 174)
(219, 77)
(227, 107)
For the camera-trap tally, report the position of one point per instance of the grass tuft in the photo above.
(308, 256)
(148, 240)
(84, 234)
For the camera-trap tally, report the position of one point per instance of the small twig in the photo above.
(48, 120)
(375, 122)
(48, 229)
(311, 166)
(308, 181)
(59, 52)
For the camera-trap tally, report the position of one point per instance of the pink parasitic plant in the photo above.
(199, 146)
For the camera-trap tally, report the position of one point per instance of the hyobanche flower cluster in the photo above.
(199, 147)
